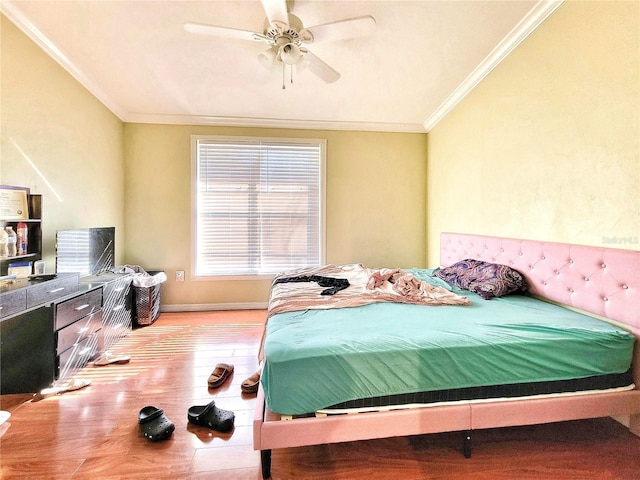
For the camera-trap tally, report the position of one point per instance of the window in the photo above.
(259, 204)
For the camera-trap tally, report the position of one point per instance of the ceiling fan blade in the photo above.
(340, 30)
(320, 68)
(225, 32)
(277, 13)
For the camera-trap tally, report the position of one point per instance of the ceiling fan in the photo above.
(286, 37)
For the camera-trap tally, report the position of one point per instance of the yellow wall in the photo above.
(60, 141)
(375, 204)
(547, 146)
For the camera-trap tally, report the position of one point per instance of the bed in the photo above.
(394, 392)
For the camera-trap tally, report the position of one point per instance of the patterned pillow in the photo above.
(489, 280)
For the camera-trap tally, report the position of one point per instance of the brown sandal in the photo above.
(250, 385)
(220, 375)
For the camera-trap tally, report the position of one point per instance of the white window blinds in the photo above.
(259, 205)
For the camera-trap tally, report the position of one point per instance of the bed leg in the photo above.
(265, 459)
(466, 444)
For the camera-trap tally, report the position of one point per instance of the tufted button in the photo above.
(544, 283)
(571, 260)
(625, 286)
(586, 279)
(542, 258)
(521, 254)
(557, 272)
(605, 299)
(571, 290)
(603, 266)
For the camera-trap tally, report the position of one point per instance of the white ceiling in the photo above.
(137, 59)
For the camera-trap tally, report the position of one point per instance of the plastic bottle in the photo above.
(23, 238)
(4, 239)
(12, 240)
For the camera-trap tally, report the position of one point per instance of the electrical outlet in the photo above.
(179, 275)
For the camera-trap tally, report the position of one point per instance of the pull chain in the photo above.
(284, 74)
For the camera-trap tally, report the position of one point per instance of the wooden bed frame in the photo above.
(601, 281)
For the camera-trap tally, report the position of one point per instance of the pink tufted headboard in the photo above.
(604, 281)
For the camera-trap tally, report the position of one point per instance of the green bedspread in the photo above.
(318, 358)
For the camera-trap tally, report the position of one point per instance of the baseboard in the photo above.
(204, 307)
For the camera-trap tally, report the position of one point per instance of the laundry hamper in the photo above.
(147, 299)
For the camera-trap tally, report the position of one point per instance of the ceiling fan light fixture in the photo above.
(268, 57)
(290, 53)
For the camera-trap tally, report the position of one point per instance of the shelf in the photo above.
(34, 226)
(5, 221)
(18, 258)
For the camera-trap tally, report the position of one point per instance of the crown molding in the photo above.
(521, 31)
(272, 123)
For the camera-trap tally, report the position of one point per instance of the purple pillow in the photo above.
(489, 280)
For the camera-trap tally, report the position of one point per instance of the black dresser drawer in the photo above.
(78, 331)
(52, 289)
(75, 308)
(116, 292)
(76, 357)
(117, 301)
(13, 302)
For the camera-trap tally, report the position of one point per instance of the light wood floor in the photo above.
(93, 433)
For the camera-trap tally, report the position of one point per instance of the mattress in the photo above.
(318, 358)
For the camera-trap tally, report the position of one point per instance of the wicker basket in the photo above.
(147, 304)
